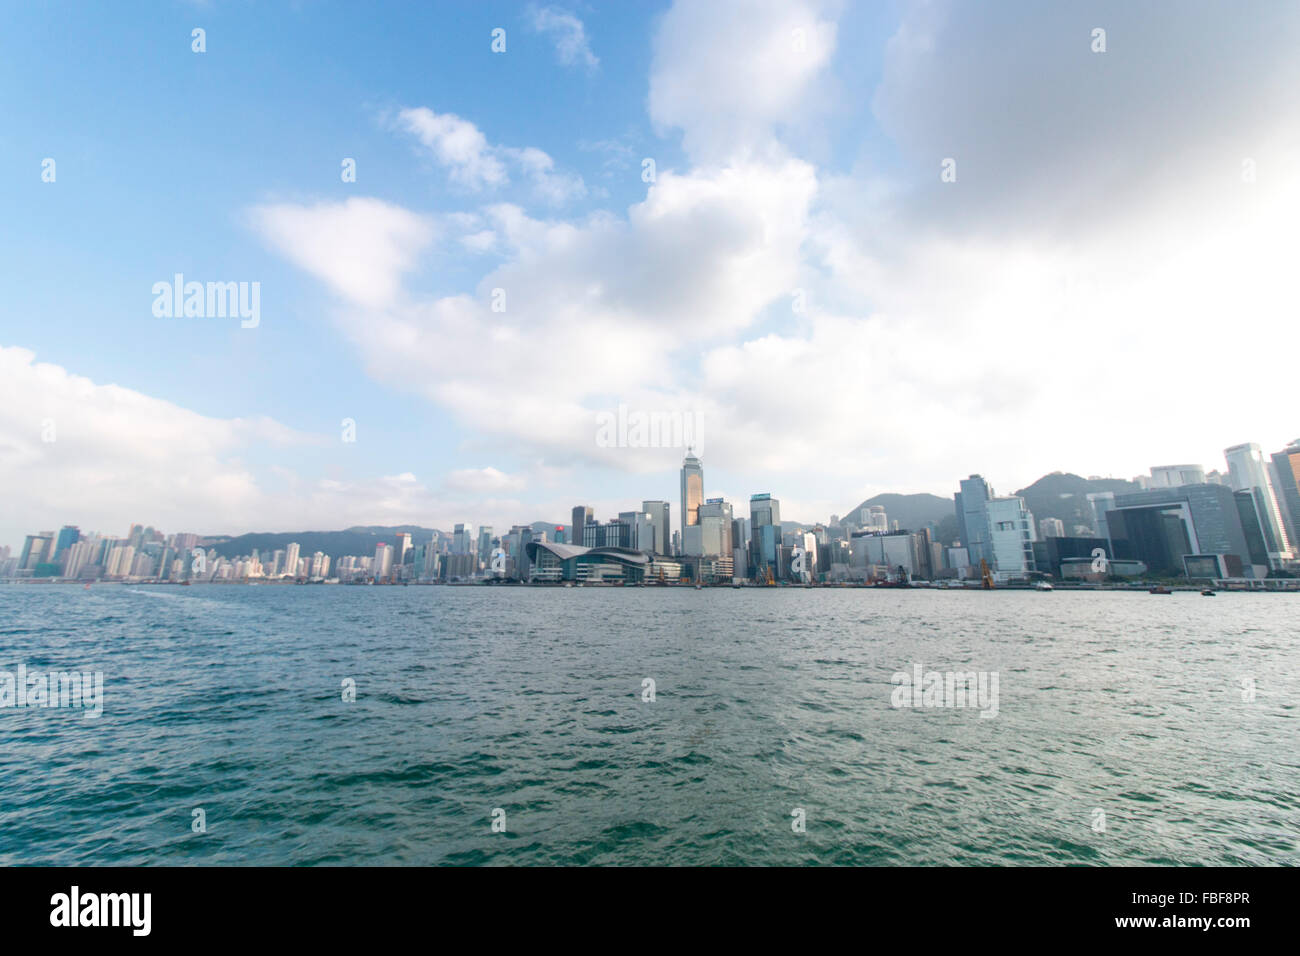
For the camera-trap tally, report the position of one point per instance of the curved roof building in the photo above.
(551, 561)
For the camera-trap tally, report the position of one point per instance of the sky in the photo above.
(859, 248)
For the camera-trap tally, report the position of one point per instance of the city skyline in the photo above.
(1177, 520)
(817, 229)
(675, 523)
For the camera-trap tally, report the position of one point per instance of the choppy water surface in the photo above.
(229, 699)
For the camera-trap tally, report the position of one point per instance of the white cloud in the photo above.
(569, 34)
(728, 72)
(361, 247)
(119, 456)
(460, 147)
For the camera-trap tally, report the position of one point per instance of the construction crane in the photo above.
(986, 576)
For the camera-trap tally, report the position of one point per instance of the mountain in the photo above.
(356, 540)
(910, 511)
(1065, 496)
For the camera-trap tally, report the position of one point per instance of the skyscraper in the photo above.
(1247, 471)
(972, 518)
(764, 532)
(658, 511)
(692, 498)
(582, 516)
(462, 537)
(383, 563)
(291, 559)
(1286, 465)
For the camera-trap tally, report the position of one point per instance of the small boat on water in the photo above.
(1160, 589)
(1207, 593)
(1043, 586)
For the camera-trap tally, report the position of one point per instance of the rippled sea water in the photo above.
(229, 699)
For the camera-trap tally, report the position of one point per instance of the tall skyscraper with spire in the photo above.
(692, 498)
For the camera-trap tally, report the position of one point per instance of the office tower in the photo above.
(1286, 466)
(461, 538)
(716, 520)
(383, 563)
(400, 548)
(291, 559)
(1248, 471)
(658, 511)
(972, 518)
(34, 548)
(1175, 476)
(1101, 502)
(68, 536)
(1011, 535)
(1169, 529)
(1051, 528)
(484, 543)
(692, 498)
(120, 560)
(76, 558)
(582, 516)
(764, 532)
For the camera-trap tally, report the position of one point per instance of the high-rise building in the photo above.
(35, 547)
(692, 498)
(400, 548)
(484, 543)
(658, 511)
(715, 528)
(764, 533)
(1051, 528)
(1011, 535)
(582, 516)
(1286, 468)
(1169, 528)
(1248, 472)
(461, 539)
(1101, 502)
(972, 518)
(291, 559)
(1174, 476)
(68, 536)
(383, 563)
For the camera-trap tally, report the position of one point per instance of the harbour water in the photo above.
(1129, 728)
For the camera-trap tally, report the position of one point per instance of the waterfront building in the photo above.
(658, 511)
(971, 505)
(692, 479)
(551, 562)
(291, 559)
(764, 534)
(1011, 536)
(1164, 526)
(1248, 472)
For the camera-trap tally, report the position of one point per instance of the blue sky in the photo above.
(785, 164)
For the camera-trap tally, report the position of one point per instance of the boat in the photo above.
(1207, 593)
(1043, 586)
(1160, 589)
